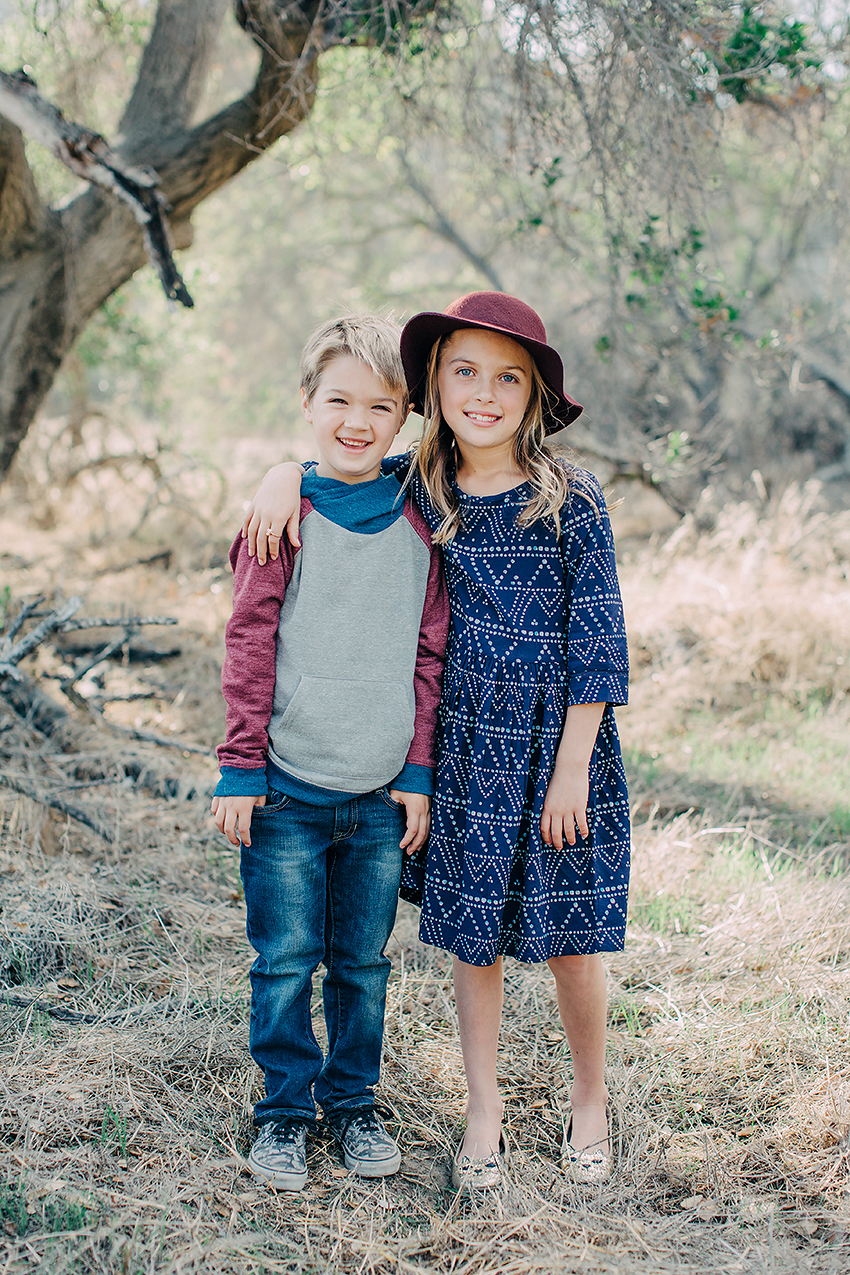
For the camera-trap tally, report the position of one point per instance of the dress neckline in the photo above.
(494, 496)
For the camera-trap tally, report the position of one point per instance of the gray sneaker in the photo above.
(280, 1154)
(366, 1146)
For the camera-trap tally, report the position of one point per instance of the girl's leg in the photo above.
(583, 1006)
(478, 993)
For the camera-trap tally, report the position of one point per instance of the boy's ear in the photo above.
(306, 409)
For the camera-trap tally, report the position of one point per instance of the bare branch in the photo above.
(11, 654)
(132, 621)
(151, 737)
(21, 210)
(206, 157)
(51, 799)
(65, 1015)
(447, 230)
(172, 73)
(88, 156)
(60, 621)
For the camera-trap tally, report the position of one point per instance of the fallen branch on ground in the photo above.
(58, 728)
(47, 798)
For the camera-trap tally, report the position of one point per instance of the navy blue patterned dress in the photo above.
(537, 625)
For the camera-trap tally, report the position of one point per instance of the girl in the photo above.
(529, 848)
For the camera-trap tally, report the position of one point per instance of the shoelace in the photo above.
(367, 1119)
(287, 1131)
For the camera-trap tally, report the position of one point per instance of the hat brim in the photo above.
(417, 341)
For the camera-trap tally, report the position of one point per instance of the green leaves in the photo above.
(759, 53)
(667, 270)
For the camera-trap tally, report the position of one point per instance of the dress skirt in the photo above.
(491, 886)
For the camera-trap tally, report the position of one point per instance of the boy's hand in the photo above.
(565, 808)
(232, 816)
(276, 505)
(418, 809)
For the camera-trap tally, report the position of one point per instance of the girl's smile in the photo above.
(484, 381)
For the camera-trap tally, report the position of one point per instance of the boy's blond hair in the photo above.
(368, 337)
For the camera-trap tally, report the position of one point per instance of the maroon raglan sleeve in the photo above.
(431, 652)
(248, 673)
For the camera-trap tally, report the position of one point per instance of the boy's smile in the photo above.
(355, 418)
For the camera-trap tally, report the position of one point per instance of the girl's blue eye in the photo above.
(509, 376)
(464, 371)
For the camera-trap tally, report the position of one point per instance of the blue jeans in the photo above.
(321, 885)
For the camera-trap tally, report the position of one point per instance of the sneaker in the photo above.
(366, 1146)
(280, 1154)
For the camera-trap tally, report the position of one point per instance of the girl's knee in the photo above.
(576, 969)
(471, 971)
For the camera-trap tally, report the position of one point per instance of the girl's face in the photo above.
(484, 381)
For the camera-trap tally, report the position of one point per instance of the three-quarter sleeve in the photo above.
(597, 651)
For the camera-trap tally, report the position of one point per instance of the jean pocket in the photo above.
(274, 801)
(393, 805)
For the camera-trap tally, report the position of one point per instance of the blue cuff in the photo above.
(607, 687)
(415, 779)
(238, 781)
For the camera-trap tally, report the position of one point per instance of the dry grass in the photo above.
(741, 669)
(124, 1137)
(126, 1087)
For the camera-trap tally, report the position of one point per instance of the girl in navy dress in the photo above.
(529, 849)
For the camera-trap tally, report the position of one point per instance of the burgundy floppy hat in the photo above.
(496, 312)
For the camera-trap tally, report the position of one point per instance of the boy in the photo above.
(332, 679)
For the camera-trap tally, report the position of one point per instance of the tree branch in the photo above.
(210, 154)
(91, 245)
(46, 798)
(172, 73)
(87, 155)
(11, 653)
(193, 163)
(21, 209)
(443, 227)
(830, 373)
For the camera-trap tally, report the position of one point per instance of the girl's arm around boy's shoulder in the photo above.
(431, 648)
(398, 466)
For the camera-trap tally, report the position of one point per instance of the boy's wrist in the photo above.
(414, 778)
(242, 781)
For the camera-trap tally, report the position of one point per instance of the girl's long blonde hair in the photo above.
(436, 454)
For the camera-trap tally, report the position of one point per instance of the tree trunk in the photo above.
(57, 266)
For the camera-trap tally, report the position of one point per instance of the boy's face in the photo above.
(355, 418)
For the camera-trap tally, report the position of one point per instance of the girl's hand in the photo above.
(565, 808)
(565, 805)
(418, 809)
(276, 505)
(232, 816)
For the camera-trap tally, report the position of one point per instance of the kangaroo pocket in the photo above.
(344, 733)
